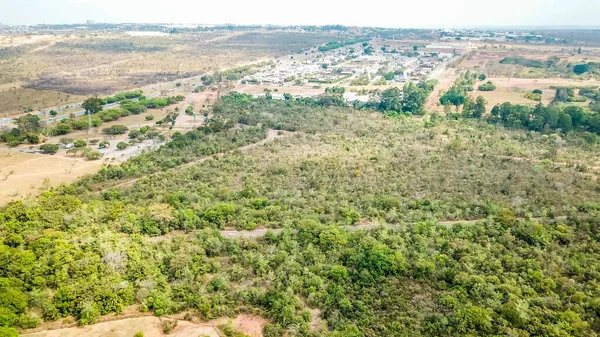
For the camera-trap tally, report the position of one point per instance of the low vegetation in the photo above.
(82, 254)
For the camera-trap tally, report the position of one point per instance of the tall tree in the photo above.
(92, 105)
(391, 100)
(29, 124)
(479, 107)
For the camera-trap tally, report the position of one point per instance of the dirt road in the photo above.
(257, 233)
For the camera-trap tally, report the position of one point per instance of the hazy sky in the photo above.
(386, 13)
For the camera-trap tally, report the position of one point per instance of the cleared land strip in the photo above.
(260, 232)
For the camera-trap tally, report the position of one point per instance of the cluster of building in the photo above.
(15, 30)
(492, 36)
(351, 62)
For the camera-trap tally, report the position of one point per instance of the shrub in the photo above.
(139, 334)
(14, 142)
(533, 96)
(92, 155)
(8, 332)
(122, 145)
(104, 144)
(33, 138)
(133, 134)
(580, 69)
(49, 148)
(62, 129)
(79, 143)
(116, 130)
(149, 117)
(489, 86)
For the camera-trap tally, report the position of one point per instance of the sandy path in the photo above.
(150, 326)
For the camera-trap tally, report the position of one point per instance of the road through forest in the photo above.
(260, 232)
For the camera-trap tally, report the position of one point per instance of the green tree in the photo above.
(29, 124)
(49, 148)
(564, 122)
(389, 76)
(92, 105)
(391, 100)
(479, 107)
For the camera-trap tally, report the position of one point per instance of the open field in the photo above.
(93, 64)
(16, 98)
(34, 172)
(513, 89)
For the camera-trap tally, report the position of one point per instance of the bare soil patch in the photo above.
(250, 325)
(23, 173)
(150, 326)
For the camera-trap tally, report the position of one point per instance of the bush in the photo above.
(489, 86)
(14, 142)
(79, 143)
(133, 134)
(49, 148)
(139, 334)
(538, 91)
(580, 69)
(28, 322)
(92, 155)
(104, 144)
(62, 129)
(33, 138)
(533, 96)
(149, 117)
(577, 99)
(122, 145)
(116, 130)
(8, 332)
